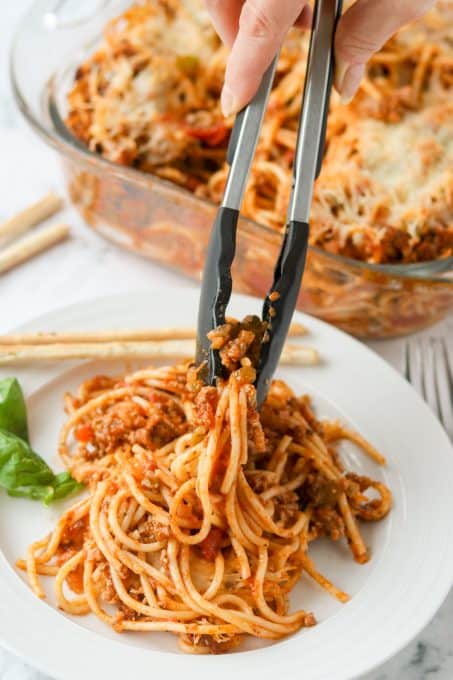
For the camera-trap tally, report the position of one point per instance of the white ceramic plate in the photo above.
(394, 595)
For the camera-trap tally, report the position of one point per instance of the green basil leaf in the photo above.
(64, 485)
(25, 474)
(13, 412)
(20, 465)
(35, 493)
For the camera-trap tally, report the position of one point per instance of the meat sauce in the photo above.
(72, 541)
(211, 545)
(236, 340)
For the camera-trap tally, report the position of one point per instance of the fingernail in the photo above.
(228, 102)
(350, 82)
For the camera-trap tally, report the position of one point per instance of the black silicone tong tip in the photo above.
(281, 301)
(216, 290)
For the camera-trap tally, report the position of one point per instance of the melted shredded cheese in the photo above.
(150, 98)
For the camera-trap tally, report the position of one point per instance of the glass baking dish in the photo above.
(164, 222)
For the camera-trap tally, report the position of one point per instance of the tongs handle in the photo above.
(311, 133)
(244, 138)
(216, 282)
(281, 299)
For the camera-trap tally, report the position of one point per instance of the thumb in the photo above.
(362, 31)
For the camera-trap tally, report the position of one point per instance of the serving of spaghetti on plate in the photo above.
(249, 563)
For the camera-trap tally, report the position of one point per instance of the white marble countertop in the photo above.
(86, 266)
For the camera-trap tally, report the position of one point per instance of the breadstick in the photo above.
(34, 214)
(31, 245)
(296, 330)
(168, 349)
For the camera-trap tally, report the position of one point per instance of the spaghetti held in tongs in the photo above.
(281, 299)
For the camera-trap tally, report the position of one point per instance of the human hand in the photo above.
(254, 30)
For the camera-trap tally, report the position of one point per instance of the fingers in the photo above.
(262, 27)
(362, 30)
(256, 28)
(304, 20)
(225, 17)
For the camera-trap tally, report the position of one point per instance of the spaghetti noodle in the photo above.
(200, 511)
(385, 194)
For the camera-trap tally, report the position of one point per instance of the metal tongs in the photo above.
(281, 299)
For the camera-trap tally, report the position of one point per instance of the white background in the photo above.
(87, 266)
